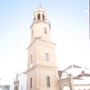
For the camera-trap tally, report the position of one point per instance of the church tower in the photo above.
(41, 69)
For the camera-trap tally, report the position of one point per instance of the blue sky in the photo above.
(69, 24)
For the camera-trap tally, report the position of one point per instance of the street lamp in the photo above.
(70, 81)
(60, 75)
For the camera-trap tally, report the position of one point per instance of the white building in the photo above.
(20, 82)
(75, 78)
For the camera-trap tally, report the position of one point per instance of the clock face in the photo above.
(45, 30)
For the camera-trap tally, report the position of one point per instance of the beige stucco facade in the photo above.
(41, 55)
(37, 49)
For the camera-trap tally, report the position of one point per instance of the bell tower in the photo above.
(41, 26)
(41, 69)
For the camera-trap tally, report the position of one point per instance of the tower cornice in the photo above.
(41, 66)
(38, 39)
(40, 22)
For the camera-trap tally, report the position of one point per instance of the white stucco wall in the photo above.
(22, 82)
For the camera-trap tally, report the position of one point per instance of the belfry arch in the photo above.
(39, 16)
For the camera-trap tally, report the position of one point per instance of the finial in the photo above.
(40, 5)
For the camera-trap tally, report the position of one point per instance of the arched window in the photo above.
(46, 57)
(45, 30)
(30, 82)
(43, 17)
(38, 17)
(48, 81)
(34, 19)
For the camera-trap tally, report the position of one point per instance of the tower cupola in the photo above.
(40, 14)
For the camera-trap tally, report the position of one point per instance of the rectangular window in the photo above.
(30, 82)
